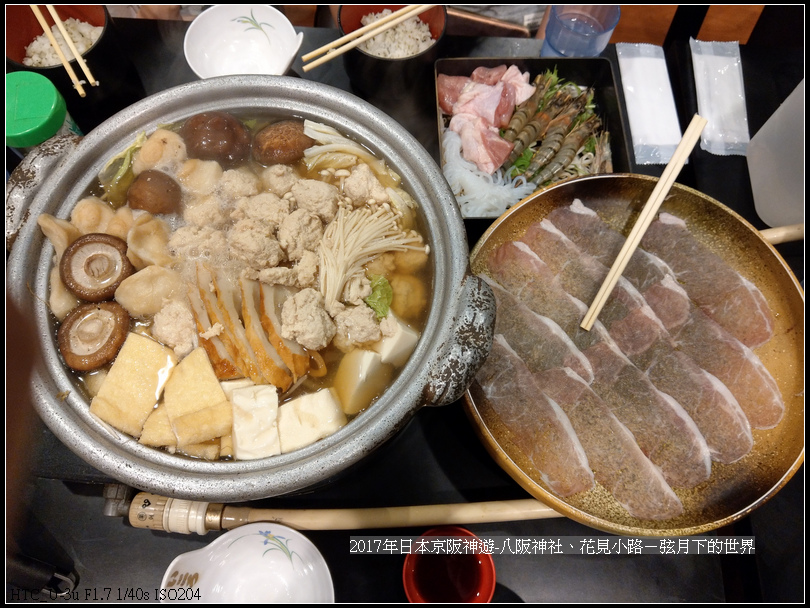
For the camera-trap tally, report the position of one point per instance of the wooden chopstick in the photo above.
(783, 234)
(359, 32)
(79, 59)
(662, 188)
(76, 82)
(335, 49)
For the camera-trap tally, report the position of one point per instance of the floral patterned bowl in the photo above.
(241, 39)
(260, 562)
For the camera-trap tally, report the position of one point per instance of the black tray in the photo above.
(596, 72)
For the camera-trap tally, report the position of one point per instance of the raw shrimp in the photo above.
(526, 110)
(568, 150)
(556, 133)
(603, 159)
(536, 127)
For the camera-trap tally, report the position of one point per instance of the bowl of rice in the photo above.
(398, 61)
(93, 33)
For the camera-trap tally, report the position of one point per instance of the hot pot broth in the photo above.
(229, 259)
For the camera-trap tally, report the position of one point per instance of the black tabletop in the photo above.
(437, 458)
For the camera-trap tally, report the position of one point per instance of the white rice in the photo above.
(41, 54)
(410, 37)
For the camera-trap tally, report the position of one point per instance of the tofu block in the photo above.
(255, 422)
(308, 418)
(396, 349)
(360, 377)
(229, 386)
(134, 384)
(196, 404)
(157, 430)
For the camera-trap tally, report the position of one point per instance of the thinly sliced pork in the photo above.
(647, 273)
(641, 336)
(618, 463)
(662, 428)
(736, 365)
(631, 322)
(538, 426)
(706, 342)
(717, 288)
(539, 341)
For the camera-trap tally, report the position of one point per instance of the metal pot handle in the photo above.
(459, 359)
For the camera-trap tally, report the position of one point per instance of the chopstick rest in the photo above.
(654, 126)
(720, 96)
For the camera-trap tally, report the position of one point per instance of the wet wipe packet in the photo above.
(654, 126)
(720, 97)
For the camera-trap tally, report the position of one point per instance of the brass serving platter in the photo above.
(734, 490)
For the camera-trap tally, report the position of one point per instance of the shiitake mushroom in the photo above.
(155, 192)
(216, 136)
(92, 334)
(282, 142)
(93, 266)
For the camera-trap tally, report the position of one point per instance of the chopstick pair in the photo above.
(349, 41)
(79, 59)
(662, 188)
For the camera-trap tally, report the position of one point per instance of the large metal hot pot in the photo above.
(454, 344)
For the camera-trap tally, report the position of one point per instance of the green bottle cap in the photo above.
(35, 110)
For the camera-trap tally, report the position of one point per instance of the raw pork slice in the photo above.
(618, 463)
(521, 272)
(538, 340)
(722, 292)
(661, 426)
(647, 273)
(642, 337)
(708, 344)
(663, 430)
(627, 316)
(540, 428)
(736, 365)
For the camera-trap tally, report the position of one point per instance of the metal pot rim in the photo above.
(419, 383)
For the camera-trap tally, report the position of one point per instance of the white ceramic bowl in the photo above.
(261, 562)
(241, 39)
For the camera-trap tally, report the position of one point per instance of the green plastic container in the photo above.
(35, 111)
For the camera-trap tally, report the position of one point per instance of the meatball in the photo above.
(281, 143)
(300, 231)
(410, 298)
(304, 320)
(216, 136)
